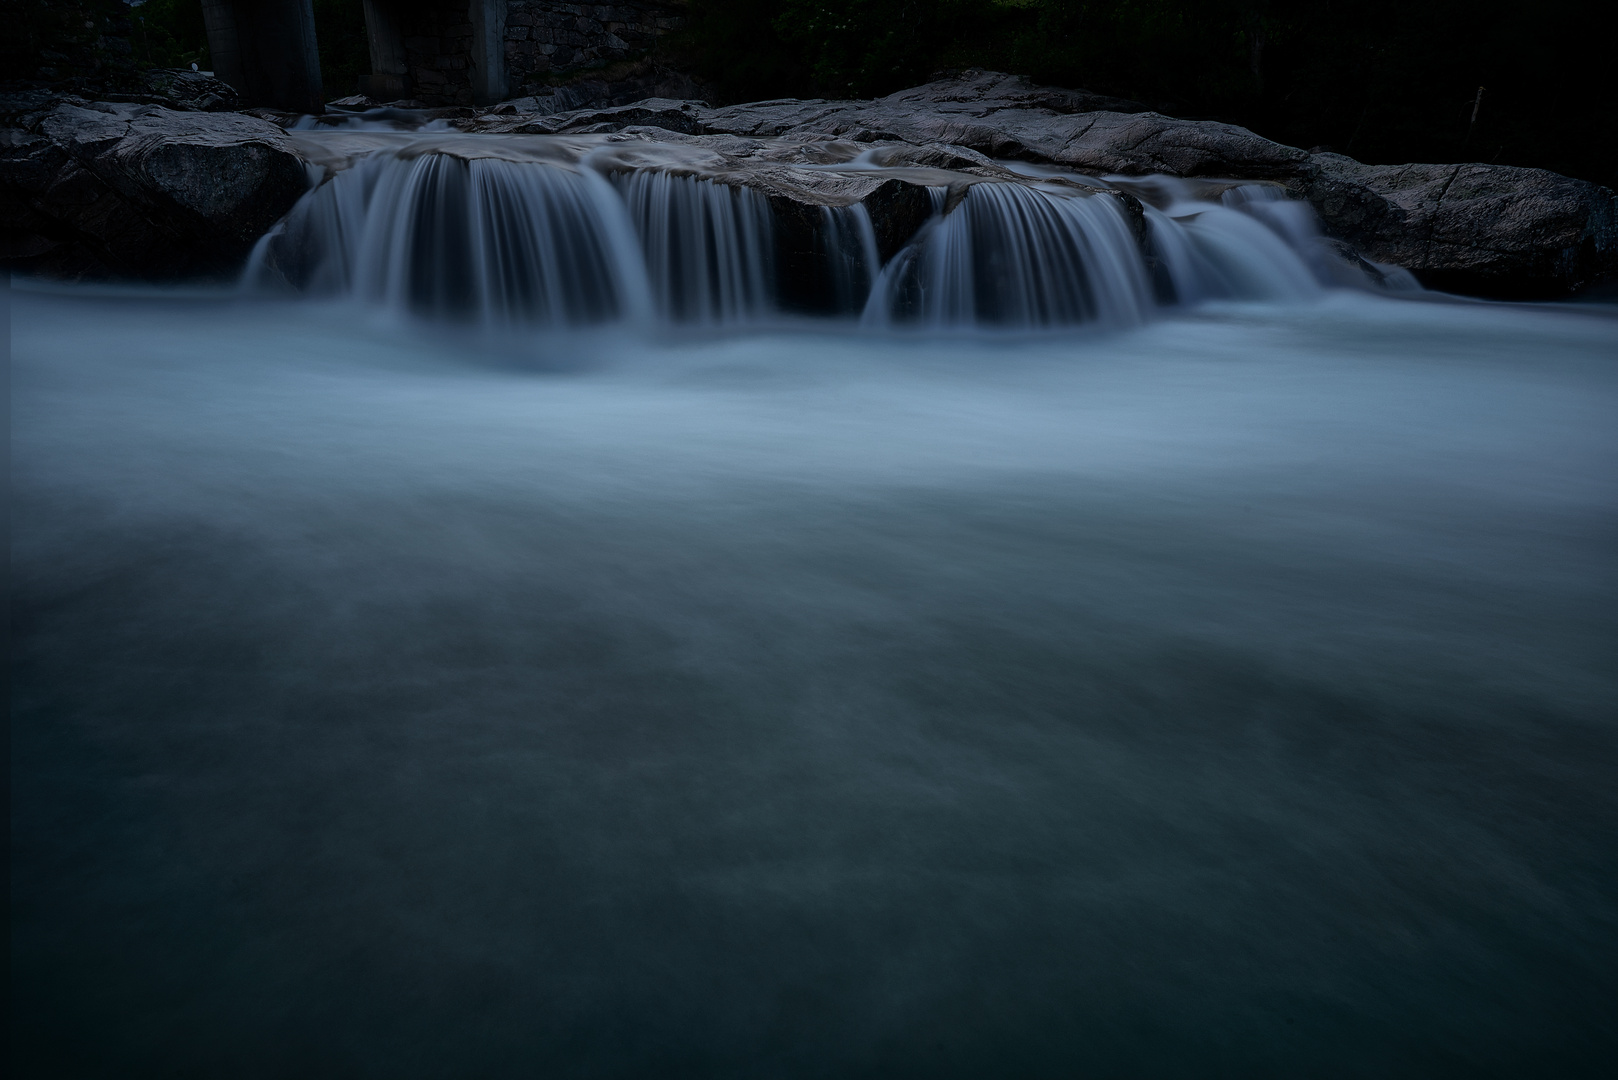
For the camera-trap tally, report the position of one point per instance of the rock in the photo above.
(1483, 230)
(897, 210)
(1001, 116)
(173, 88)
(121, 189)
(142, 189)
(621, 84)
(683, 117)
(179, 88)
(996, 89)
(1480, 229)
(1149, 143)
(1004, 116)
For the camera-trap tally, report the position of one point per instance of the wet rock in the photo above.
(620, 85)
(120, 189)
(1484, 230)
(125, 188)
(681, 117)
(1479, 229)
(179, 88)
(1004, 116)
(897, 209)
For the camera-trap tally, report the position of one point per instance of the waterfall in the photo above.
(1012, 255)
(849, 244)
(488, 238)
(448, 229)
(708, 247)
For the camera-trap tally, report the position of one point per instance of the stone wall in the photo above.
(545, 38)
(430, 49)
(437, 41)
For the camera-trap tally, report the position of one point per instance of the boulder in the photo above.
(682, 117)
(129, 188)
(183, 89)
(1482, 230)
(1004, 116)
(98, 189)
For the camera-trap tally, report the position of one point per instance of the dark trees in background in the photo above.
(1380, 80)
(52, 40)
(58, 40)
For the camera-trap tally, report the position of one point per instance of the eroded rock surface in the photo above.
(1486, 230)
(126, 189)
(1482, 229)
(146, 190)
(1001, 116)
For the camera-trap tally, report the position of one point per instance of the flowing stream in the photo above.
(531, 648)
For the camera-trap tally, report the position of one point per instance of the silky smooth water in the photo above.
(567, 231)
(1231, 696)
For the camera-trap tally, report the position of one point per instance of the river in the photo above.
(1230, 696)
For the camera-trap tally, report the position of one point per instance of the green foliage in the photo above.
(1382, 80)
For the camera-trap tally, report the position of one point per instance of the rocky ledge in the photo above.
(125, 188)
(132, 189)
(1485, 230)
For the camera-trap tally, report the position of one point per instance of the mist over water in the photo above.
(1230, 696)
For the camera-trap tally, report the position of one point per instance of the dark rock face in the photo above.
(897, 210)
(1003, 116)
(110, 189)
(682, 117)
(125, 189)
(178, 88)
(622, 85)
(546, 37)
(1479, 229)
(1484, 230)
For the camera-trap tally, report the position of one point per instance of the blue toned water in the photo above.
(1229, 696)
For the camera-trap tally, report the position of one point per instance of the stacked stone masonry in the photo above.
(544, 39)
(437, 49)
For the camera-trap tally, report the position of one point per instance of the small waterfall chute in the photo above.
(709, 249)
(852, 261)
(558, 231)
(487, 238)
(1017, 255)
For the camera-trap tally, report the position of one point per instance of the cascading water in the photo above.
(440, 235)
(707, 245)
(1229, 695)
(551, 231)
(849, 246)
(1019, 256)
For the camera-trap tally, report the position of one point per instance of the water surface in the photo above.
(1229, 697)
